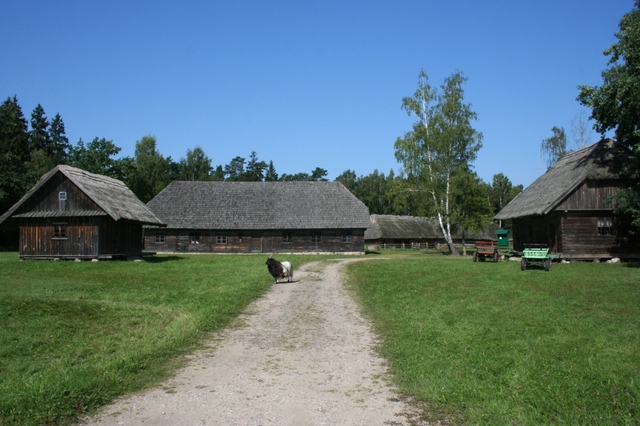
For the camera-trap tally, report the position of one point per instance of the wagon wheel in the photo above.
(523, 264)
(547, 264)
(475, 256)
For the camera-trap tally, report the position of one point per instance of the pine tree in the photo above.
(39, 134)
(14, 137)
(59, 143)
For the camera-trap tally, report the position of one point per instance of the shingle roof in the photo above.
(602, 160)
(395, 227)
(259, 205)
(400, 227)
(111, 195)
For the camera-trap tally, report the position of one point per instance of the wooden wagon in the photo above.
(537, 254)
(486, 249)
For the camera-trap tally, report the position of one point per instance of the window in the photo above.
(159, 237)
(287, 237)
(221, 239)
(194, 238)
(347, 238)
(59, 230)
(605, 226)
(62, 195)
(316, 237)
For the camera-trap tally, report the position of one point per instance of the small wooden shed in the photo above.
(258, 217)
(73, 214)
(570, 208)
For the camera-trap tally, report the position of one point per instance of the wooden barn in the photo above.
(570, 209)
(257, 217)
(73, 214)
(412, 232)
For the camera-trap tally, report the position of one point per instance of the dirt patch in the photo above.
(301, 355)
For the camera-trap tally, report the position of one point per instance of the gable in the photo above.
(592, 195)
(604, 161)
(58, 197)
(88, 194)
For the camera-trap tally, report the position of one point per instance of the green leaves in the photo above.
(443, 143)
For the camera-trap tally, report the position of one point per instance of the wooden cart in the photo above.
(486, 249)
(537, 254)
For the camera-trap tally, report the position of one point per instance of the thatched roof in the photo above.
(602, 160)
(392, 227)
(111, 195)
(259, 206)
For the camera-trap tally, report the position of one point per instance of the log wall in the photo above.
(298, 241)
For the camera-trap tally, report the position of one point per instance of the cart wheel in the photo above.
(547, 264)
(523, 265)
(475, 256)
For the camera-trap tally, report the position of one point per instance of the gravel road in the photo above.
(301, 355)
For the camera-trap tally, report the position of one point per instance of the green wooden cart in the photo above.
(537, 254)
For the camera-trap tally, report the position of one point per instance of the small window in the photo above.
(287, 237)
(194, 238)
(347, 238)
(62, 196)
(316, 237)
(59, 230)
(159, 237)
(221, 239)
(605, 226)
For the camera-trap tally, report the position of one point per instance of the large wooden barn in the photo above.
(73, 214)
(570, 209)
(257, 217)
(411, 232)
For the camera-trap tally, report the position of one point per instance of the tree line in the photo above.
(29, 149)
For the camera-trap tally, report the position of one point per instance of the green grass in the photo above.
(485, 343)
(76, 335)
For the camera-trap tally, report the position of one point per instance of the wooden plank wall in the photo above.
(254, 242)
(37, 238)
(46, 199)
(592, 195)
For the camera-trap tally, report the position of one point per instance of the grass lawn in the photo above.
(487, 343)
(75, 335)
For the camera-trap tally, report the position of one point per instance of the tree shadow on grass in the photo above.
(162, 259)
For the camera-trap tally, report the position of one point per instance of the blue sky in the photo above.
(305, 84)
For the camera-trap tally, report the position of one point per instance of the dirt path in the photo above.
(301, 355)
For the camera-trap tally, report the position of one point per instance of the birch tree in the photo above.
(441, 144)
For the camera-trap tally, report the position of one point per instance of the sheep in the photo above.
(279, 269)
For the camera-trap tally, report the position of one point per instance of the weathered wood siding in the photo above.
(85, 237)
(575, 235)
(47, 198)
(211, 241)
(81, 237)
(592, 195)
(582, 240)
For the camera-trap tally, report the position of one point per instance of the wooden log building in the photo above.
(570, 208)
(411, 232)
(73, 214)
(257, 217)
